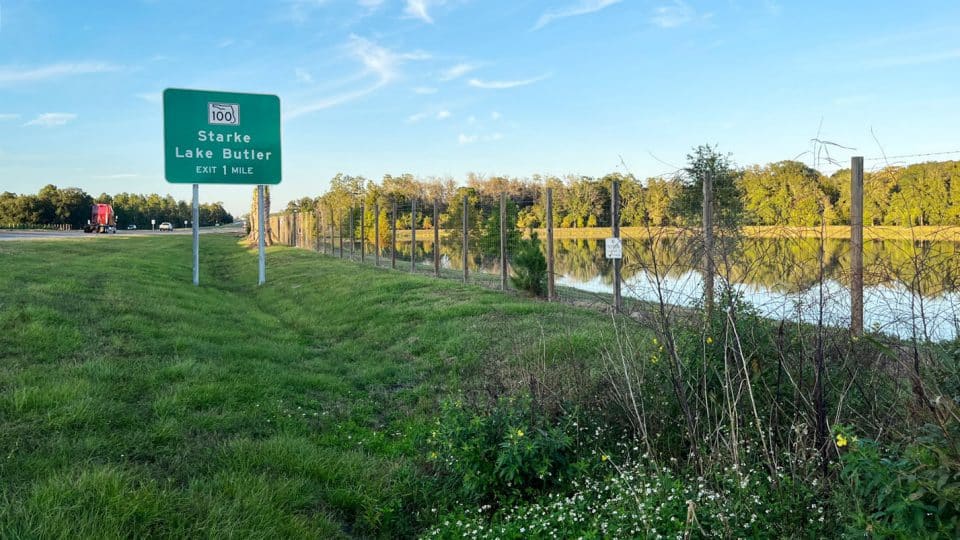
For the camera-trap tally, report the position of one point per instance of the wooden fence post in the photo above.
(466, 242)
(708, 270)
(615, 227)
(317, 226)
(330, 230)
(856, 245)
(503, 241)
(353, 212)
(340, 235)
(413, 235)
(436, 238)
(363, 226)
(551, 288)
(376, 233)
(393, 236)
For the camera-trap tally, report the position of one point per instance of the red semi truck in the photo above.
(102, 219)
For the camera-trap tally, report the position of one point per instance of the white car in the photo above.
(166, 226)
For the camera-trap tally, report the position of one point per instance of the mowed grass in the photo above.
(133, 404)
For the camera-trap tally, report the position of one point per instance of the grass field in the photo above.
(133, 404)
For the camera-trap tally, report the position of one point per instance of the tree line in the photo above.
(71, 206)
(785, 193)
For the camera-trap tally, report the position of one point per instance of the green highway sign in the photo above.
(221, 137)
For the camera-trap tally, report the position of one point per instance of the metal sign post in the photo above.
(261, 242)
(221, 138)
(196, 234)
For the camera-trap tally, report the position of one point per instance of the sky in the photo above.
(442, 88)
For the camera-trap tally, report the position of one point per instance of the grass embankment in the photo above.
(134, 404)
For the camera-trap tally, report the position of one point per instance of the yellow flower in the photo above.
(519, 433)
(655, 342)
(603, 457)
(433, 455)
(709, 340)
(841, 440)
(654, 359)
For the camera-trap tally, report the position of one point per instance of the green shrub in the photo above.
(503, 454)
(910, 493)
(529, 267)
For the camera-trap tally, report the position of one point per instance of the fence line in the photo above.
(472, 240)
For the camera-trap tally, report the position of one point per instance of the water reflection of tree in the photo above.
(788, 265)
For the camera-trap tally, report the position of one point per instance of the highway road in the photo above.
(78, 235)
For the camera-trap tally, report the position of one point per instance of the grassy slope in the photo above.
(133, 404)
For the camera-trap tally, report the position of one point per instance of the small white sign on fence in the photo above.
(614, 248)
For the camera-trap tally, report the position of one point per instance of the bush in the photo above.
(504, 454)
(913, 493)
(529, 267)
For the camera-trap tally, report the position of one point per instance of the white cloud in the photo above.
(414, 118)
(472, 120)
(470, 139)
(583, 7)
(151, 97)
(419, 9)
(303, 76)
(52, 119)
(8, 116)
(424, 90)
(457, 71)
(495, 115)
(380, 62)
(370, 4)
(299, 11)
(677, 13)
(10, 76)
(916, 60)
(503, 85)
(440, 115)
(224, 43)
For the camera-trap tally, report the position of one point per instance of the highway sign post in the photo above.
(221, 138)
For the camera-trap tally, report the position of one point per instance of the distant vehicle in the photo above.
(166, 226)
(102, 219)
(131, 227)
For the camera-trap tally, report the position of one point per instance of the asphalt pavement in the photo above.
(9, 234)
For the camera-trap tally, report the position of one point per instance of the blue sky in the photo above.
(446, 87)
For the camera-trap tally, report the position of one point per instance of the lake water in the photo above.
(911, 288)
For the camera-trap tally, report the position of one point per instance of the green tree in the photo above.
(728, 206)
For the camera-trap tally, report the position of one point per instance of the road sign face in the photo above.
(614, 248)
(221, 137)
